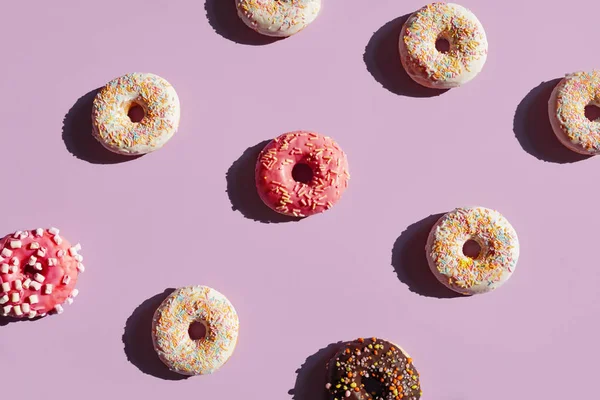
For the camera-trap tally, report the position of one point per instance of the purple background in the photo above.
(165, 220)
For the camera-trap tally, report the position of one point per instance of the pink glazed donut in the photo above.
(38, 273)
(566, 109)
(301, 173)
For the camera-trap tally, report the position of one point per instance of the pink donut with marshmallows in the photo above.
(301, 173)
(38, 273)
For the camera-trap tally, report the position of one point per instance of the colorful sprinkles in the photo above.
(496, 261)
(567, 111)
(278, 18)
(116, 131)
(281, 192)
(171, 324)
(463, 31)
(35, 283)
(372, 369)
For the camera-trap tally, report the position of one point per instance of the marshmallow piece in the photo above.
(38, 266)
(15, 297)
(78, 257)
(32, 314)
(32, 260)
(69, 300)
(6, 286)
(53, 231)
(17, 234)
(48, 288)
(39, 232)
(39, 277)
(26, 307)
(26, 283)
(17, 310)
(41, 253)
(15, 244)
(18, 285)
(60, 253)
(4, 299)
(34, 246)
(57, 239)
(35, 285)
(80, 267)
(6, 252)
(58, 308)
(52, 262)
(6, 309)
(34, 299)
(66, 279)
(4, 268)
(15, 261)
(24, 235)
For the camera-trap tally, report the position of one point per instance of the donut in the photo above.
(372, 369)
(321, 161)
(498, 255)
(38, 273)
(566, 108)
(278, 18)
(117, 132)
(171, 324)
(448, 22)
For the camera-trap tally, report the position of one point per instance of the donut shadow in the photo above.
(382, 59)
(223, 18)
(533, 130)
(410, 261)
(137, 339)
(241, 189)
(312, 375)
(77, 134)
(11, 320)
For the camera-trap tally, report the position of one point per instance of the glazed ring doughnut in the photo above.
(372, 369)
(448, 22)
(116, 131)
(38, 273)
(301, 173)
(171, 324)
(278, 18)
(498, 255)
(567, 112)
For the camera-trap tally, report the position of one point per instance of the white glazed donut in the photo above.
(496, 261)
(566, 109)
(278, 18)
(465, 57)
(115, 130)
(171, 324)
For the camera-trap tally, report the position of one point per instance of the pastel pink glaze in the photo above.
(67, 265)
(278, 189)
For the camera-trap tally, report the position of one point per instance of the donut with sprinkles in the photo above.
(301, 173)
(450, 23)
(497, 258)
(372, 369)
(566, 109)
(38, 273)
(278, 18)
(153, 96)
(171, 325)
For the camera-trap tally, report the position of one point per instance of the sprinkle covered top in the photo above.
(372, 369)
(278, 17)
(495, 262)
(171, 325)
(116, 131)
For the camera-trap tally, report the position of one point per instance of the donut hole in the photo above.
(374, 386)
(197, 330)
(302, 173)
(592, 112)
(471, 248)
(136, 113)
(442, 45)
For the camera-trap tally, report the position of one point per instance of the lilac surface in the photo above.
(165, 220)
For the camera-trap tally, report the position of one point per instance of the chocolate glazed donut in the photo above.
(372, 369)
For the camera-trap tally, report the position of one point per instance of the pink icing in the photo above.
(65, 265)
(281, 192)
